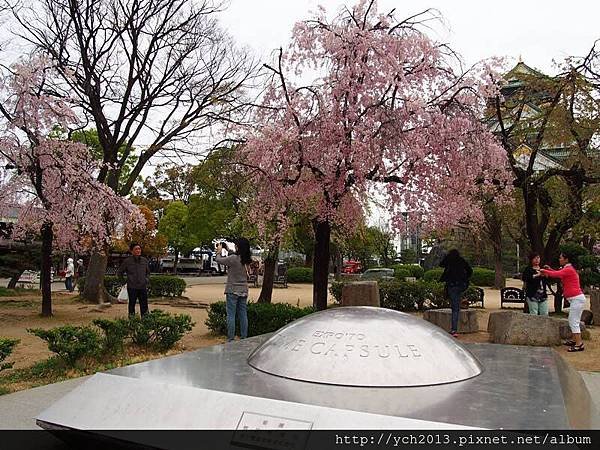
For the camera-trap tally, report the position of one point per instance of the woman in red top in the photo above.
(574, 294)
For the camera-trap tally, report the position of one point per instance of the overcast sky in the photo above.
(539, 31)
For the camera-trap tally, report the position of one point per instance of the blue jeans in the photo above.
(455, 291)
(537, 308)
(69, 284)
(239, 304)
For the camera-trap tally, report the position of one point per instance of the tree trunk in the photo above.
(309, 260)
(94, 290)
(46, 272)
(558, 298)
(321, 264)
(499, 281)
(12, 283)
(339, 262)
(535, 233)
(266, 291)
(175, 261)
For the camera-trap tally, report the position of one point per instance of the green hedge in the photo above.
(160, 285)
(157, 330)
(300, 275)
(407, 296)
(262, 317)
(6, 348)
(481, 276)
(433, 274)
(166, 286)
(401, 274)
(414, 270)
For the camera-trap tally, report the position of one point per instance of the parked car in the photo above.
(352, 267)
(378, 274)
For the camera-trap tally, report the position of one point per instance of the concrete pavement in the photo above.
(18, 410)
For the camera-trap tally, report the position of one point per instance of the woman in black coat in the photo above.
(457, 273)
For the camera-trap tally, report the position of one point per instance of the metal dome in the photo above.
(365, 346)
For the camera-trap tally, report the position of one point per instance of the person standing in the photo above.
(573, 293)
(236, 288)
(69, 273)
(457, 273)
(138, 276)
(535, 287)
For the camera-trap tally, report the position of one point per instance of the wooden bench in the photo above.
(512, 295)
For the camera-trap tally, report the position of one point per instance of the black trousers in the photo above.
(135, 295)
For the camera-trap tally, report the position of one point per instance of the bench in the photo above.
(476, 298)
(512, 295)
(281, 275)
(253, 274)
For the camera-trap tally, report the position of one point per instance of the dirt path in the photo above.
(19, 313)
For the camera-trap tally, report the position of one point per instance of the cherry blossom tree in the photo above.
(52, 180)
(388, 113)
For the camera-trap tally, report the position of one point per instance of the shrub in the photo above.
(336, 290)
(414, 270)
(6, 348)
(160, 285)
(166, 286)
(115, 333)
(589, 274)
(401, 274)
(480, 277)
(433, 274)
(262, 317)
(159, 329)
(111, 282)
(483, 277)
(588, 278)
(471, 294)
(407, 296)
(70, 342)
(300, 275)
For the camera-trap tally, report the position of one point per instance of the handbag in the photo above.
(123, 295)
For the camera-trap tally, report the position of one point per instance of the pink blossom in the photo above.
(49, 178)
(389, 109)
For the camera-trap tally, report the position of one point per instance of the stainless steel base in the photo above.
(520, 388)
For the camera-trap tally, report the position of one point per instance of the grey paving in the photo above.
(18, 410)
(592, 381)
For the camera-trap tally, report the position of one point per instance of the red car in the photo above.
(352, 267)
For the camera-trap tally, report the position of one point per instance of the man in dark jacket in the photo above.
(457, 273)
(138, 273)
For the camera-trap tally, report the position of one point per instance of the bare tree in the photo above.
(150, 75)
(536, 115)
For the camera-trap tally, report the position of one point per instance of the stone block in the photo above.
(516, 328)
(587, 317)
(595, 305)
(467, 319)
(361, 293)
(565, 329)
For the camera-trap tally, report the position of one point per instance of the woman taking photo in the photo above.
(535, 287)
(573, 293)
(236, 288)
